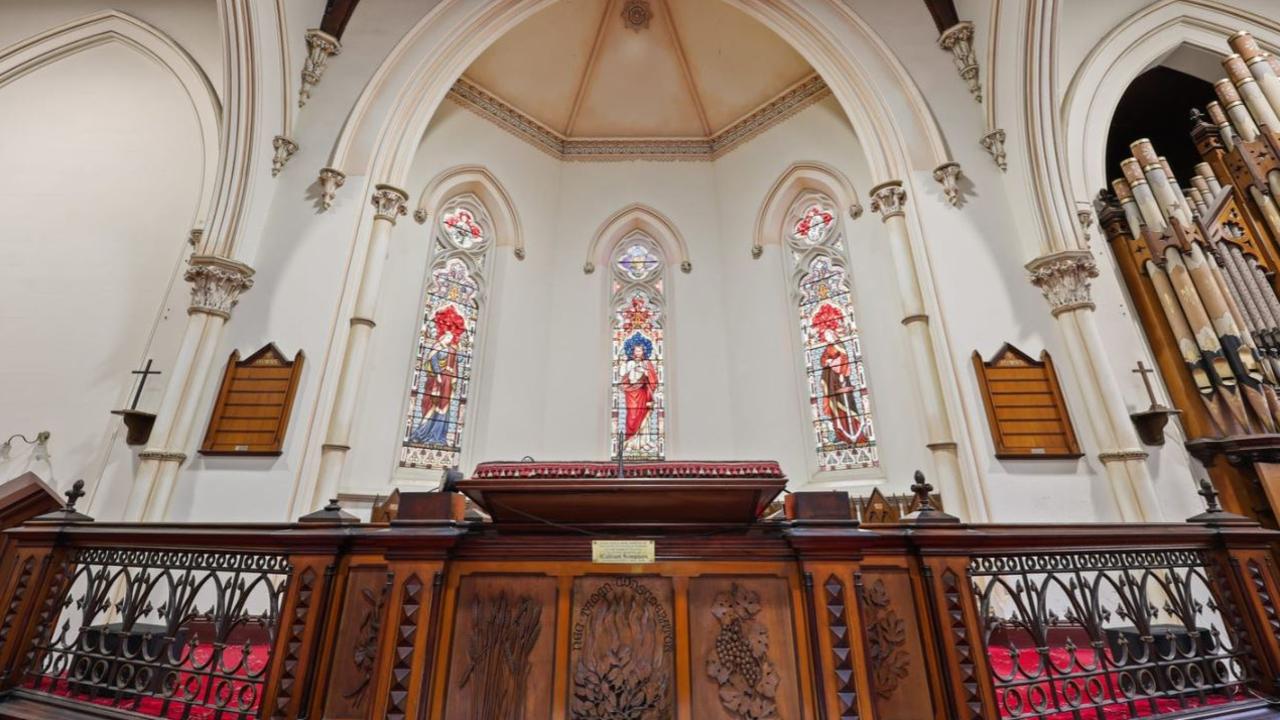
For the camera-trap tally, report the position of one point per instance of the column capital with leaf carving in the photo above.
(1064, 278)
(889, 199)
(216, 284)
(390, 202)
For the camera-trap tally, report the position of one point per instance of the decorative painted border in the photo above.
(489, 106)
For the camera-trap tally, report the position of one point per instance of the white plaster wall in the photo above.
(191, 23)
(102, 174)
(735, 387)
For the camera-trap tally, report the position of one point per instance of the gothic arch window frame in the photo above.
(619, 287)
(798, 257)
(478, 263)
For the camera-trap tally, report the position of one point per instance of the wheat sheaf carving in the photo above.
(740, 662)
(503, 632)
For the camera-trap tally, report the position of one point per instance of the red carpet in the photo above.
(1104, 705)
(193, 697)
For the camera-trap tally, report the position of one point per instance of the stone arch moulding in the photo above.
(1130, 49)
(50, 46)
(876, 92)
(626, 221)
(479, 181)
(796, 179)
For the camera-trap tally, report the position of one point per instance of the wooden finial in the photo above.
(1210, 495)
(926, 513)
(330, 513)
(68, 512)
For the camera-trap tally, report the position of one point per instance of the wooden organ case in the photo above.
(1199, 260)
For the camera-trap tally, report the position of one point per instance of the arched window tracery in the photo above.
(839, 399)
(445, 353)
(638, 315)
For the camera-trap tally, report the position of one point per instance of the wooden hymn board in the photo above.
(1025, 409)
(254, 402)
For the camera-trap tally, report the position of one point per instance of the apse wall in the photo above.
(541, 388)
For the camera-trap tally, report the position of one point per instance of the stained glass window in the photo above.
(838, 396)
(638, 390)
(446, 341)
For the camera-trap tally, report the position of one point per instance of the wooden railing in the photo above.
(357, 620)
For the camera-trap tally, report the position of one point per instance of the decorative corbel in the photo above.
(993, 143)
(1084, 216)
(330, 180)
(958, 40)
(320, 47)
(948, 174)
(285, 148)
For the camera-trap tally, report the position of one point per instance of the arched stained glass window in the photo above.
(446, 339)
(638, 390)
(838, 396)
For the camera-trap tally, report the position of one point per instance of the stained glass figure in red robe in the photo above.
(440, 366)
(639, 385)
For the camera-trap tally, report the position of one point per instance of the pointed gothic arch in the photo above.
(801, 176)
(1126, 52)
(630, 219)
(113, 26)
(477, 180)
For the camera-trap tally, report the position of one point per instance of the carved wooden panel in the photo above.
(895, 653)
(742, 650)
(1025, 408)
(254, 402)
(622, 649)
(349, 692)
(504, 633)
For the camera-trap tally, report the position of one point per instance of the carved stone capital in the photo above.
(1123, 455)
(330, 180)
(889, 199)
(320, 47)
(285, 148)
(958, 40)
(1064, 278)
(389, 201)
(948, 174)
(993, 143)
(216, 284)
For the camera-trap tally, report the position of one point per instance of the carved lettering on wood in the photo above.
(622, 650)
(886, 636)
(740, 662)
(504, 630)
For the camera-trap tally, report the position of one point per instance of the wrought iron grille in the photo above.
(166, 633)
(1094, 634)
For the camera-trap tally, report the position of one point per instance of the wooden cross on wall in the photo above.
(145, 372)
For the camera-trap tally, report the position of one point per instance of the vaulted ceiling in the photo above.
(638, 68)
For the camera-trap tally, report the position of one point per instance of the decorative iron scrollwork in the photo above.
(1084, 632)
(168, 633)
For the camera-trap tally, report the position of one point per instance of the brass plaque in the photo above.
(622, 552)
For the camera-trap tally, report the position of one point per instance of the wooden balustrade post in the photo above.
(957, 628)
(35, 585)
(1247, 572)
(299, 647)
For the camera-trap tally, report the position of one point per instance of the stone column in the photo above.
(390, 203)
(890, 199)
(1064, 278)
(216, 284)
